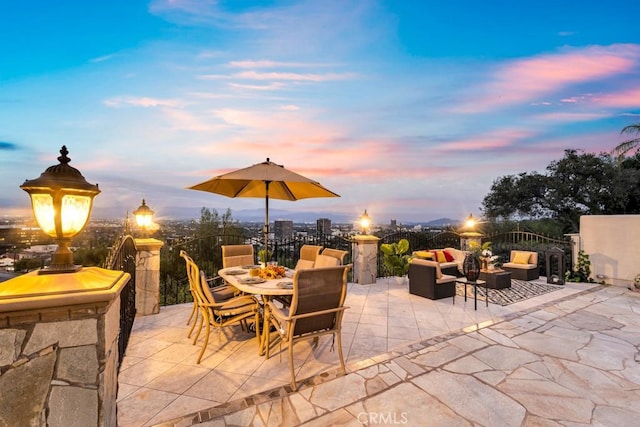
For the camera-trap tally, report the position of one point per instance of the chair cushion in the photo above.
(521, 258)
(303, 264)
(326, 261)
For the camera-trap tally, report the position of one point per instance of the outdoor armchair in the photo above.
(426, 280)
(523, 265)
(218, 313)
(316, 309)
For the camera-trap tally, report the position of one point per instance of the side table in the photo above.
(475, 284)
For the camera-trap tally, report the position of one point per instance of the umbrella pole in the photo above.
(266, 219)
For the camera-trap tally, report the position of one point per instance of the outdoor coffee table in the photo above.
(496, 279)
(475, 284)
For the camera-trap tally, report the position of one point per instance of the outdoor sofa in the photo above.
(523, 265)
(449, 259)
(427, 280)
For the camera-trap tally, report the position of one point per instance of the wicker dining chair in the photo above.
(335, 253)
(218, 313)
(316, 309)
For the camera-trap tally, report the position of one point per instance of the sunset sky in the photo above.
(409, 109)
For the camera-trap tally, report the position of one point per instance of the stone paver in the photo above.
(574, 361)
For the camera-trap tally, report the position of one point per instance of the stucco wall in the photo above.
(613, 245)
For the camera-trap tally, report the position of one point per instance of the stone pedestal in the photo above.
(59, 348)
(148, 276)
(365, 259)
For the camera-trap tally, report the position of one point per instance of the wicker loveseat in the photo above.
(523, 265)
(449, 259)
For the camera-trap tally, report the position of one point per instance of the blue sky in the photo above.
(410, 109)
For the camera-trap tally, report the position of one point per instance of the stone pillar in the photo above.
(59, 348)
(148, 276)
(365, 259)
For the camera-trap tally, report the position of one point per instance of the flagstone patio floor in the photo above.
(569, 357)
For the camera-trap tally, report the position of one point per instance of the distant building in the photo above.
(283, 229)
(323, 226)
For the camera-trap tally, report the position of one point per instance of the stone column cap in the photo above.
(365, 238)
(148, 244)
(89, 285)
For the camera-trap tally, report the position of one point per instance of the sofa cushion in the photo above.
(521, 258)
(448, 256)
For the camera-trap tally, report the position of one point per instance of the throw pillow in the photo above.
(441, 257)
(521, 258)
(448, 256)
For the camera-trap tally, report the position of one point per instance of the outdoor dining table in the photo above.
(239, 277)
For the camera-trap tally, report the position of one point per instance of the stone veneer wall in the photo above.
(58, 365)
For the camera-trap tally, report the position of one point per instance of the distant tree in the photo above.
(90, 256)
(578, 184)
(624, 147)
(27, 264)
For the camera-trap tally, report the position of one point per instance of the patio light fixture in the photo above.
(61, 200)
(470, 222)
(365, 222)
(144, 216)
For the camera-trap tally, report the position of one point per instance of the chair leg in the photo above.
(195, 312)
(206, 341)
(201, 320)
(293, 372)
(344, 370)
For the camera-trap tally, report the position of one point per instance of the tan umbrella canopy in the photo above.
(264, 180)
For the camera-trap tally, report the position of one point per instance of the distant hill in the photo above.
(257, 215)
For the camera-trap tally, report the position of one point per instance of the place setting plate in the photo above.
(235, 272)
(252, 280)
(285, 285)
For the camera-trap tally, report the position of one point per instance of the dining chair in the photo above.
(237, 255)
(218, 314)
(308, 254)
(316, 309)
(221, 292)
(336, 253)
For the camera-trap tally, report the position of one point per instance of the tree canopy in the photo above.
(578, 184)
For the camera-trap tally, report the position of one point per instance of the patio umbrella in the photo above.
(265, 180)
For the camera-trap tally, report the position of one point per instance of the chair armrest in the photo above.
(317, 313)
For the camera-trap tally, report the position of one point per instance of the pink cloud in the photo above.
(627, 99)
(527, 80)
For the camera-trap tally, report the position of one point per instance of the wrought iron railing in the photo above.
(207, 253)
(501, 243)
(123, 258)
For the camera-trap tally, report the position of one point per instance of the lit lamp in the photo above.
(365, 222)
(144, 217)
(470, 222)
(61, 200)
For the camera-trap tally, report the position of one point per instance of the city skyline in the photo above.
(407, 109)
